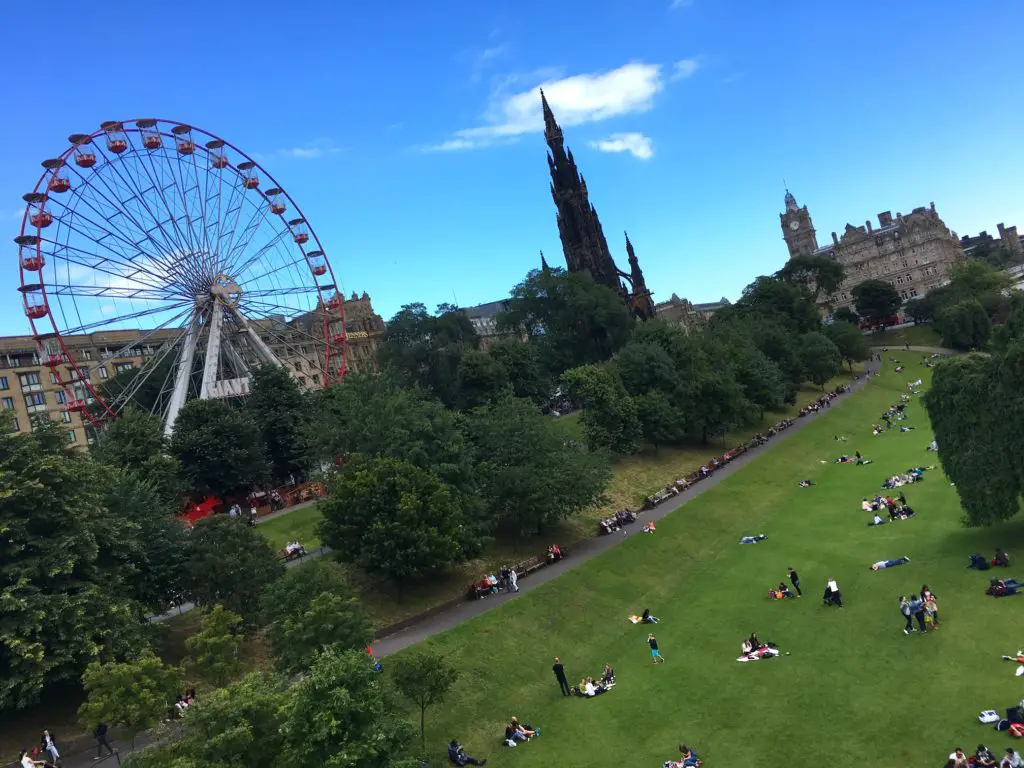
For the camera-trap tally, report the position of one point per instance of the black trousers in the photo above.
(564, 685)
(796, 586)
(920, 619)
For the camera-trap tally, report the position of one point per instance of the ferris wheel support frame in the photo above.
(181, 375)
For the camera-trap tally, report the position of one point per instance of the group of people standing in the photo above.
(923, 608)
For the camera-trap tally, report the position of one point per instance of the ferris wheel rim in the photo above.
(333, 306)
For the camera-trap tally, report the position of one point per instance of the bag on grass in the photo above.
(1017, 730)
(1003, 725)
(989, 716)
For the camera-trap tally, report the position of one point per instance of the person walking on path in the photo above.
(100, 734)
(513, 579)
(794, 579)
(907, 615)
(559, 671)
(48, 745)
(656, 656)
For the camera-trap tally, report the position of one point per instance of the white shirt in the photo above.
(865, 505)
(589, 689)
(833, 586)
(27, 762)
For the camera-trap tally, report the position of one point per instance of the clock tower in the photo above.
(797, 228)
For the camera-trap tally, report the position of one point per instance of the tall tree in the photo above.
(964, 325)
(213, 651)
(976, 411)
(220, 449)
(228, 562)
(480, 379)
(425, 678)
(342, 714)
(572, 320)
(790, 304)
(392, 518)
(610, 418)
(311, 609)
(131, 440)
(530, 476)
(278, 407)
(821, 275)
(845, 315)
(851, 343)
(876, 301)
(523, 366)
(134, 695)
(62, 588)
(821, 358)
(761, 380)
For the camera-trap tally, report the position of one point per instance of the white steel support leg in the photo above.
(212, 362)
(181, 376)
(261, 347)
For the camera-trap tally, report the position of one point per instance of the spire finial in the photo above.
(543, 263)
(551, 129)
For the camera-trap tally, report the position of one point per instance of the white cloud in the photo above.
(638, 145)
(684, 68)
(312, 150)
(578, 99)
(675, 5)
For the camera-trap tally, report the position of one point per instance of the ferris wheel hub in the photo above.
(226, 289)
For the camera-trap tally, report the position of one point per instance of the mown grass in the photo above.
(914, 335)
(854, 691)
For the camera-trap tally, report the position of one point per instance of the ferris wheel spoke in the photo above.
(72, 257)
(109, 292)
(158, 177)
(107, 323)
(239, 246)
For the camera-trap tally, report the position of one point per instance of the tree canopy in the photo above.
(852, 344)
(213, 651)
(821, 275)
(876, 301)
(820, 357)
(964, 325)
(278, 407)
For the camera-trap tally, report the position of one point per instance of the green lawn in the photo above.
(914, 335)
(855, 691)
(299, 525)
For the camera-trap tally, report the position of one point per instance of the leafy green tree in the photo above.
(760, 379)
(63, 594)
(790, 304)
(918, 311)
(609, 417)
(821, 358)
(964, 326)
(213, 651)
(846, 315)
(133, 695)
(425, 678)
(1011, 331)
(311, 609)
(391, 517)
(278, 407)
(220, 449)
(131, 440)
(523, 366)
(342, 714)
(572, 320)
(875, 300)
(229, 563)
(151, 541)
(646, 366)
(530, 476)
(975, 409)
(720, 404)
(662, 420)
(236, 727)
(974, 279)
(480, 379)
(820, 275)
(851, 343)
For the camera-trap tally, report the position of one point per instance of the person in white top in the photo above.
(28, 762)
(1012, 760)
(589, 690)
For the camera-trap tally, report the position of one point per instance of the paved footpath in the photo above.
(589, 548)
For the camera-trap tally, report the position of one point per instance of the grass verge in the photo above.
(914, 335)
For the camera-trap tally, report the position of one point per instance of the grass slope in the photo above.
(855, 690)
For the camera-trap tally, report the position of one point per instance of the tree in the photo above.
(790, 304)
(761, 380)
(278, 407)
(311, 609)
(851, 343)
(530, 475)
(220, 449)
(213, 651)
(820, 275)
(875, 300)
(480, 379)
(134, 695)
(342, 715)
(975, 409)
(130, 440)
(523, 367)
(236, 727)
(720, 404)
(390, 517)
(64, 600)
(846, 315)
(918, 310)
(425, 678)
(964, 325)
(662, 421)
(572, 320)
(151, 543)
(821, 358)
(609, 417)
(228, 562)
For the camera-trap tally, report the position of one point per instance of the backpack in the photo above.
(1017, 730)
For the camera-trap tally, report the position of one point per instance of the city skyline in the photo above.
(420, 158)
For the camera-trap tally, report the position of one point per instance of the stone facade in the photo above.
(913, 253)
(681, 312)
(1008, 240)
(484, 318)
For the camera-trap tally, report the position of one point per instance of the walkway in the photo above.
(586, 549)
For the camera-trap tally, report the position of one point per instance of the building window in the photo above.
(15, 426)
(913, 292)
(61, 398)
(4, 383)
(8, 403)
(28, 379)
(71, 435)
(122, 367)
(53, 377)
(35, 402)
(65, 416)
(87, 354)
(103, 372)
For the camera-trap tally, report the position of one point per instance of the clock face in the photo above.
(794, 225)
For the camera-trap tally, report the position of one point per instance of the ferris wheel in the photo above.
(164, 244)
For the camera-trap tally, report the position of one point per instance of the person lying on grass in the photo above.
(457, 755)
(1002, 587)
(780, 592)
(806, 483)
(647, 618)
(882, 564)
(753, 539)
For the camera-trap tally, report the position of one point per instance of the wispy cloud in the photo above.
(676, 5)
(684, 68)
(637, 144)
(484, 60)
(576, 100)
(312, 150)
(733, 77)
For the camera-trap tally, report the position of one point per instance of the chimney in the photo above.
(885, 219)
(867, 224)
(1002, 231)
(932, 206)
(835, 239)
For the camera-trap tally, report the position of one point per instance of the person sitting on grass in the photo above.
(984, 758)
(458, 755)
(878, 519)
(1001, 559)
(687, 759)
(1011, 759)
(520, 732)
(780, 593)
(882, 564)
(957, 759)
(608, 676)
(25, 760)
(647, 618)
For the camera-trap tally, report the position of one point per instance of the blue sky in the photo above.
(409, 132)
